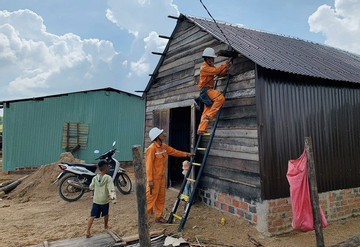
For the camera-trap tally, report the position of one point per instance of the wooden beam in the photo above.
(158, 53)
(173, 17)
(314, 196)
(140, 178)
(164, 37)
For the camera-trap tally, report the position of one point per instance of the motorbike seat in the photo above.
(90, 167)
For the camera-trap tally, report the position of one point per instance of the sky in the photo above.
(62, 46)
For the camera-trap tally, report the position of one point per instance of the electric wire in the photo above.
(217, 24)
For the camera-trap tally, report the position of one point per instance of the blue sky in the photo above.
(61, 46)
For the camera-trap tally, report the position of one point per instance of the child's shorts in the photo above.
(98, 210)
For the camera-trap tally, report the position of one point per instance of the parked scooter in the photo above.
(73, 187)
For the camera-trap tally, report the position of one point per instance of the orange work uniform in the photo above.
(207, 73)
(155, 159)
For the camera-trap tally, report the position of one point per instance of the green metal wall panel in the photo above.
(33, 129)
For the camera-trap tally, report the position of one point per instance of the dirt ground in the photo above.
(34, 212)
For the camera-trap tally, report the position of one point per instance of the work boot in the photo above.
(160, 220)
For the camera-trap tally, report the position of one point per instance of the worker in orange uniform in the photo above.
(206, 82)
(155, 159)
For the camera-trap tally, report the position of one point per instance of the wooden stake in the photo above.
(314, 196)
(140, 188)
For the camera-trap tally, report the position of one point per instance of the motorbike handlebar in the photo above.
(107, 154)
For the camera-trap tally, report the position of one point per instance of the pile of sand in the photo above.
(38, 185)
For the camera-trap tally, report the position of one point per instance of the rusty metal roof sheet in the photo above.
(283, 53)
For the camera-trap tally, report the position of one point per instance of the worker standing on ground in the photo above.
(155, 159)
(206, 82)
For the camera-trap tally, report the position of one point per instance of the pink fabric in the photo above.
(297, 176)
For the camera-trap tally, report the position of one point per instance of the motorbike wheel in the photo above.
(68, 192)
(123, 183)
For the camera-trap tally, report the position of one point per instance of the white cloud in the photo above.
(144, 19)
(340, 25)
(36, 62)
(140, 67)
(140, 17)
(154, 42)
(33, 61)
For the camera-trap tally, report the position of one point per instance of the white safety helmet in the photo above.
(209, 52)
(154, 133)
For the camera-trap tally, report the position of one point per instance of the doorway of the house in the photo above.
(180, 139)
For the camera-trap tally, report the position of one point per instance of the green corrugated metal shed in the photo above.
(33, 128)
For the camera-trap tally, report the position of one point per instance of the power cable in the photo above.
(217, 24)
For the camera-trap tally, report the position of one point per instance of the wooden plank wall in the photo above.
(233, 163)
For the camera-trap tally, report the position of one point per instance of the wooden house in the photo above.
(282, 89)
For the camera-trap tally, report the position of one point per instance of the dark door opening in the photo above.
(180, 139)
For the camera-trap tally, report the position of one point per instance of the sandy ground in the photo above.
(33, 213)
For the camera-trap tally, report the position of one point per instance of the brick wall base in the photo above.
(273, 217)
(24, 170)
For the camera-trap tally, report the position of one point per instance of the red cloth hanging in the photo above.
(297, 176)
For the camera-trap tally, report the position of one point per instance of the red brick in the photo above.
(278, 223)
(281, 202)
(224, 207)
(286, 208)
(236, 203)
(277, 210)
(272, 204)
(244, 205)
(255, 218)
(228, 200)
(221, 198)
(240, 213)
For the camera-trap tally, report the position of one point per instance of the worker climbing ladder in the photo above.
(205, 150)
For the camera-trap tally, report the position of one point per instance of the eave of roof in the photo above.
(64, 94)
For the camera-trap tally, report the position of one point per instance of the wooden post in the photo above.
(140, 188)
(314, 197)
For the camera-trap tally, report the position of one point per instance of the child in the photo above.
(103, 187)
(185, 167)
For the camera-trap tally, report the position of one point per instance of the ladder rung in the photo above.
(223, 77)
(201, 149)
(196, 164)
(177, 216)
(184, 197)
(191, 180)
(206, 134)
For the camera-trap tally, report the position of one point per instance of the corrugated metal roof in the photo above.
(65, 94)
(287, 54)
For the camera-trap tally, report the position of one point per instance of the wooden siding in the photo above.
(233, 163)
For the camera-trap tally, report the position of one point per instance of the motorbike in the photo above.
(73, 186)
